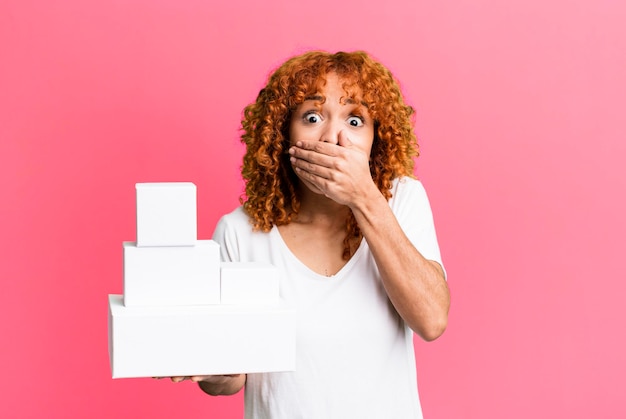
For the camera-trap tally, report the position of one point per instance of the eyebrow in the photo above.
(319, 98)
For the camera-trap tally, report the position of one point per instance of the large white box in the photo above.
(166, 214)
(200, 340)
(169, 276)
(249, 283)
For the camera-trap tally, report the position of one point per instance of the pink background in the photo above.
(521, 119)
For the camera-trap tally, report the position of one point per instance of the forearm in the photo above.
(416, 286)
(224, 385)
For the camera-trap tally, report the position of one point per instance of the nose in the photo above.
(331, 131)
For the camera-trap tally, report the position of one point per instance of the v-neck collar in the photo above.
(278, 238)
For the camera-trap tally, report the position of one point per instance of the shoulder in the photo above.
(231, 225)
(237, 218)
(406, 189)
(237, 239)
(410, 203)
(407, 182)
(238, 223)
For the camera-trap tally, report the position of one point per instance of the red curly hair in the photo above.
(271, 196)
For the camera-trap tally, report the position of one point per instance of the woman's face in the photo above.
(316, 121)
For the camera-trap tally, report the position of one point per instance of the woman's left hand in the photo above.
(340, 171)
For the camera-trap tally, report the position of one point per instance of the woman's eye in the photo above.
(312, 118)
(355, 121)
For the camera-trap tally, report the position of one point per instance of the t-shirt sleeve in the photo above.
(225, 235)
(412, 209)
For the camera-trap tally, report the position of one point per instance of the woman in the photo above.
(331, 201)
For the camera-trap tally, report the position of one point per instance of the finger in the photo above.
(178, 379)
(312, 169)
(302, 155)
(316, 147)
(318, 182)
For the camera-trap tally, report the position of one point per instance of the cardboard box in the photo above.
(249, 283)
(200, 340)
(171, 276)
(166, 214)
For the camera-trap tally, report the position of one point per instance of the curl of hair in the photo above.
(271, 194)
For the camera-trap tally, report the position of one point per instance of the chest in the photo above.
(319, 249)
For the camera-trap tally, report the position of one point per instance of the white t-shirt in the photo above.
(355, 356)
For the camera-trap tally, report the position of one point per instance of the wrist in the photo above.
(368, 201)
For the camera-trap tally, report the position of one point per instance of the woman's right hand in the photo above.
(217, 385)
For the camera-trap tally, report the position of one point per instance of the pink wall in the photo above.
(520, 112)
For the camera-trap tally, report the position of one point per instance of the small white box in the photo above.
(166, 214)
(172, 275)
(200, 340)
(249, 283)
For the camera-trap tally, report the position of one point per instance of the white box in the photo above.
(166, 214)
(172, 275)
(200, 340)
(249, 283)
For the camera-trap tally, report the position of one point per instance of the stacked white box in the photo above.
(249, 283)
(178, 316)
(166, 214)
(200, 340)
(167, 265)
(163, 276)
